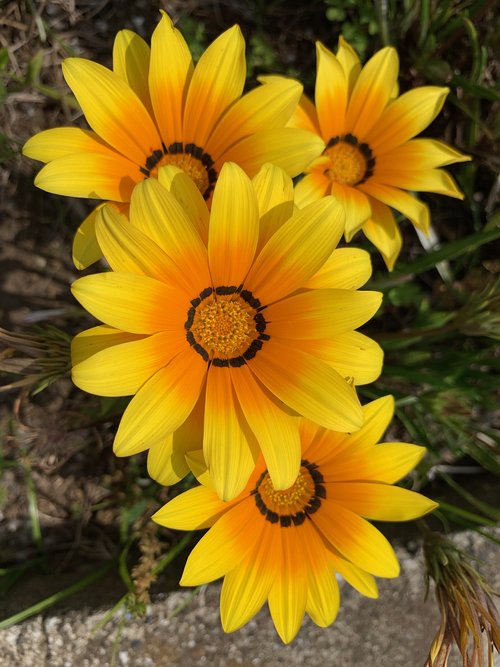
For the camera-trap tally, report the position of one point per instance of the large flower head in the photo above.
(154, 108)
(228, 326)
(286, 545)
(371, 157)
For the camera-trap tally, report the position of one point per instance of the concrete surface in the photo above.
(394, 631)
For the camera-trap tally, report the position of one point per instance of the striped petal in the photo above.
(234, 227)
(372, 92)
(307, 385)
(61, 141)
(273, 187)
(112, 109)
(170, 71)
(356, 206)
(420, 154)
(193, 510)
(217, 82)
(229, 447)
(381, 229)
(121, 369)
(266, 107)
(380, 502)
(346, 268)
(296, 251)
(429, 180)
(131, 56)
(188, 195)
(331, 93)
(131, 302)
(321, 313)
(89, 342)
(323, 596)
(94, 175)
(311, 188)
(363, 582)
(412, 208)
(161, 405)
(350, 62)
(276, 431)
(86, 249)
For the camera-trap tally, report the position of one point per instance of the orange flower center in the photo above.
(292, 505)
(192, 159)
(225, 326)
(222, 327)
(351, 162)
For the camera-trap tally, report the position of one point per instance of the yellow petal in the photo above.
(372, 92)
(363, 582)
(381, 229)
(305, 116)
(356, 205)
(276, 432)
(229, 447)
(112, 109)
(415, 210)
(161, 405)
(170, 71)
(166, 465)
(419, 154)
(349, 60)
(380, 502)
(311, 188)
(353, 355)
(307, 385)
(131, 57)
(224, 547)
(94, 175)
(86, 249)
(131, 302)
(234, 227)
(429, 180)
(246, 587)
(286, 147)
(321, 313)
(323, 597)
(346, 268)
(263, 108)
(195, 509)
(217, 82)
(61, 141)
(296, 251)
(188, 195)
(356, 539)
(120, 370)
(89, 342)
(274, 190)
(405, 117)
(331, 93)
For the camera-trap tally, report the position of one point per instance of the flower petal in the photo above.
(356, 205)
(323, 597)
(311, 188)
(273, 187)
(86, 249)
(286, 147)
(405, 117)
(350, 62)
(131, 302)
(93, 175)
(414, 209)
(246, 587)
(296, 251)
(121, 369)
(224, 547)
(276, 432)
(420, 154)
(380, 502)
(161, 405)
(381, 229)
(188, 195)
(89, 342)
(131, 56)
(170, 72)
(354, 356)
(430, 180)
(61, 141)
(331, 93)
(112, 109)
(308, 386)
(263, 108)
(356, 539)
(372, 91)
(217, 82)
(363, 582)
(234, 227)
(346, 268)
(195, 509)
(166, 465)
(229, 447)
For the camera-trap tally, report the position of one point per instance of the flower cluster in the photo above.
(229, 313)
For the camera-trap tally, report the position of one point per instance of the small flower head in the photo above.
(286, 545)
(226, 326)
(156, 109)
(371, 158)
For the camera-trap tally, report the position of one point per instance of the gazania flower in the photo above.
(286, 545)
(225, 337)
(155, 109)
(371, 158)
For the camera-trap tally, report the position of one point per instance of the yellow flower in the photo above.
(286, 546)
(155, 109)
(371, 158)
(226, 327)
